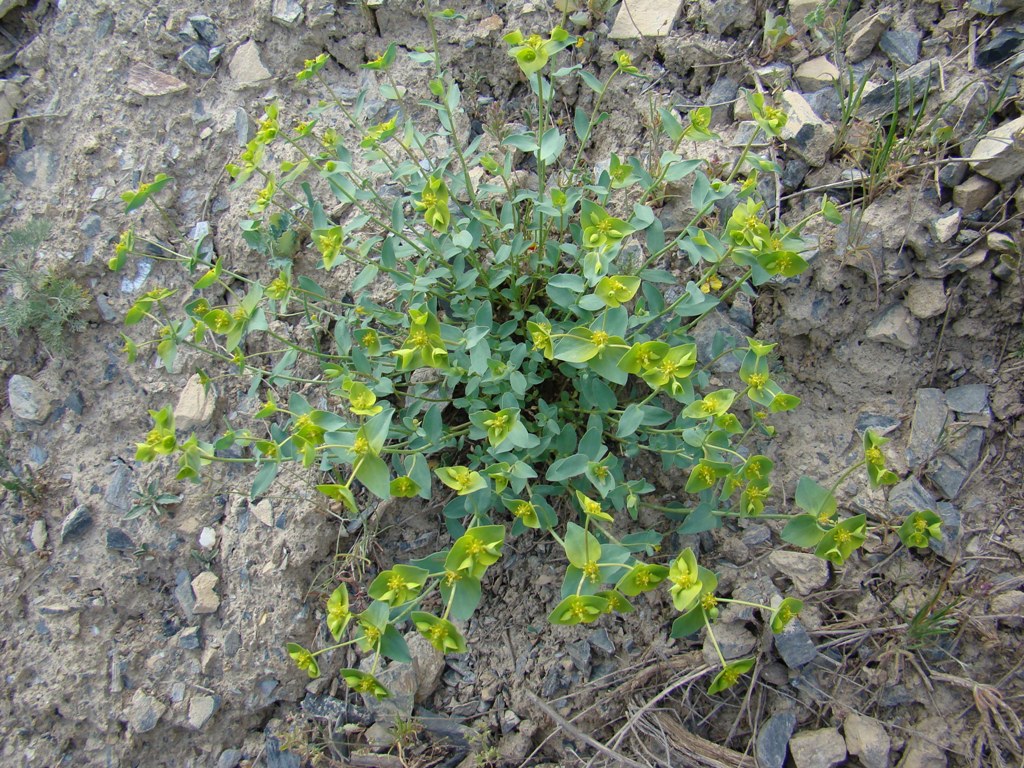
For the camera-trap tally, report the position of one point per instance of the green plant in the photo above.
(151, 499)
(43, 301)
(535, 354)
(19, 480)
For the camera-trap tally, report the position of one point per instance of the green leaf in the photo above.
(581, 546)
(563, 469)
(393, 645)
(581, 123)
(522, 141)
(551, 145)
(803, 531)
(592, 82)
(263, 479)
(729, 675)
(690, 622)
(814, 498)
(630, 420)
(373, 472)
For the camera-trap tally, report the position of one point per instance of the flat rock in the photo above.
(207, 600)
(264, 512)
(645, 18)
(196, 404)
(773, 738)
(867, 740)
(734, 640)
(287, 13)
(38, 534)
(401, 681)
(909, 496)
(119, 541)
(330, 708)
(930, 414)
(945, 227)
(815, 74)
(926, 298)
(148, 81)
(28, 400)
(923, 76)
(795, 646)
(724, 16)
(965, 444)
(201, 709)
(901, 46)
(144, 712)
(807, 572)
(974, 193)
(895, 326)
(821, 748)
(246, 67)
(428, 663)
(76, 523)
(968, 399)
(804, 132)
(998, 156)
(866, 35)
(1009, 606)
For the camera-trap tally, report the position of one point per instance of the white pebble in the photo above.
(207, 538)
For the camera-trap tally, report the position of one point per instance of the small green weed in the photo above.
(42, 301)
(151, 499)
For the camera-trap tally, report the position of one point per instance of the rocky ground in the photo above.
(157, 640)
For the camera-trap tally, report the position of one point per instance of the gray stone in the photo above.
(756, 535)
(245, 127)
(38, 535)
(37, 167)
(724, 16)
(147, 81)
(246, 67)
(776, 75)
(895, 326)
(330, 708)
(867, 739)
(579, 653)
(201, 709)
(945, 227)
(947, 475)
(320, 13)
(773, 738)
(866, 35)
(188, 638)
(204, 28)
(183, 592)
(120, 488)
(1009, 606)
(974, 193)
(645, 18)
(207, 600)
(922, 750)
(196, 404)
(400, 680)
(428, 663)
(600, 639)
(704, 334)
(815, 74)
(91, 225)
(927, 425)
(999, 155)
(734, 640)
(28, 400)
(229, 758)
(804, 132)
(744, 131)
(198, 59)
(807, 572)
(822, 748)
(951, 519)
(275, 756)
(953, 174)
(144, 712)
(76, 523)
(909, 496)
(232, 643)
(995, 8)
(926, 298)
(795, 646)
(287, 13)
(119, 540)
(969, 398)
(721, 98)
(880, 424)
(965, 444)
(379, 737)
(901, 46)
(910, 87)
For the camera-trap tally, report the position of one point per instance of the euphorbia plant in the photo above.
(534, 347)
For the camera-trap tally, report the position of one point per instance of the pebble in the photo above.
(204, 28)
(822, 748)
(91, 225)
(246, 67)
(207, 600)
(974, 193)
(244, 126)
(882, 100)
(997, 156)
(76, 522)
(287, 13)
(866, 36)
(188, 638)
(947, 475)
(867, 740)
(147, 81)
(428, 663)
(28, 400)
(401, 681)
(201, 709)
(901, 46)
(773, 738)
(1010, 607)
(119, 541)
(232, 642)
(264, 512)
(945, 227)
(600, 640)
(38, 534)
(645, 20)
(930, 413)
(207, 538)
(734, 640)
(926, 298)
(144, 712)
(795, 646)
(878, 423)
(229, 758)
(120, 489)
(895, 326)
(183, 593)
(969, 398)
(804, 132)
(330, 708)
(200, 59)
(196, 404)
(275, 757)
(130, 285)
(816, 74)
(807, 572)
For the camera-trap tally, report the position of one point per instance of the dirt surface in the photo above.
(914, 658)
